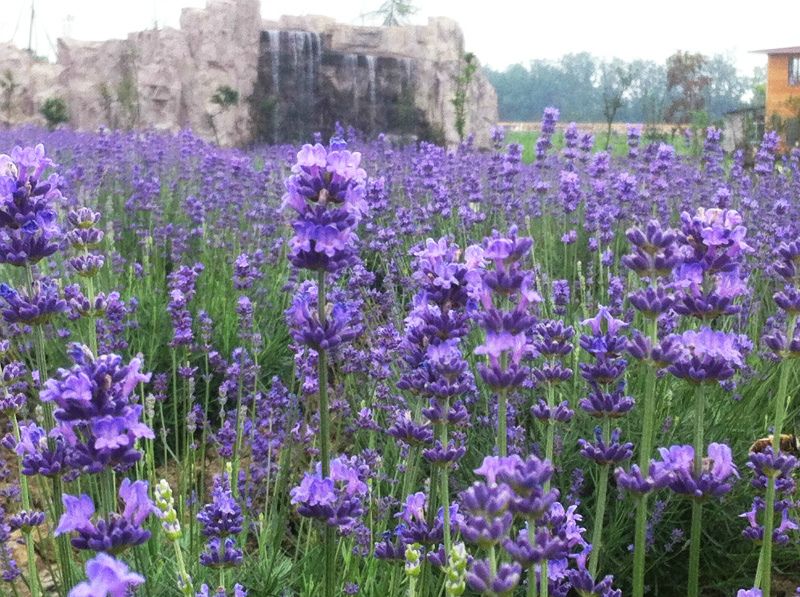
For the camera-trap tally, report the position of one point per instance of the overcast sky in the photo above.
(500, 32)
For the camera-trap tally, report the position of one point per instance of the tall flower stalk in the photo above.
(654, 254)
(709, 282)
(29, 233)
(786, 347)
(607, 400)
(507, 296)
(326, 190)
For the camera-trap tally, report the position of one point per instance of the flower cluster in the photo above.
(95, 412)
(115, 533)
(29, 229)
(221, 521)
(506, 345)
(337, 500)
(326, 190)
(108, 577)
(709, 278)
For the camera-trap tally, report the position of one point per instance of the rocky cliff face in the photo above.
(313, 70)
(293, 76)
(25, 84)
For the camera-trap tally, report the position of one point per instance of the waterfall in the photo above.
(409, 66)
(275, 56)
(351, 68)
(315, 55)
(373, 93)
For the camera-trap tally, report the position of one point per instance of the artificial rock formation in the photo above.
(293, 76)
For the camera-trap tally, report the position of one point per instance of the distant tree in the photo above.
(394, 12)
(584, 89)
(463, 82)
(758, 87)
(616, 79)
(791, 123)
(726, 88)
(54, 111)
(687, 82)
(8, 87)
(648, 95)
(577, 88)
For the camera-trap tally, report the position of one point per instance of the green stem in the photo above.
(502, 421)
(324, 438)
(108, 491)
(764, 573)
(648, 423)
(600, 507)
(697, 505)
(550, 439)
(183, 575)
(545, 580)
(645, 452)
(412, 586)
(237, 447)
(532, 589)
(26, 505)
(444, 488)
(92, 325)
(204, 432)
(175, 402)
(640, 545)
(64, 550)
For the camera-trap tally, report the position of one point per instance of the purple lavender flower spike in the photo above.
(326, 190)
(334, 500)
(481, 579)
(677, 467)
(223, 516)
(94, 412)
(29, 230)
(115, 533)
(601, 452)
(107, 577)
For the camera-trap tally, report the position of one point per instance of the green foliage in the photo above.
(54, 111)
(463, 82)
(792, 122)
(576, 82)
(120, 102)
(688, 79)
(225, 96)
(127, 92)
(8, 87)
(698, 125)
(616, 79)
(618, 144)
(394, 13)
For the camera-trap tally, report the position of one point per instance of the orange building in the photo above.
(783, 87)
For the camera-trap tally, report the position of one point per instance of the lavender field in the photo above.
(357, 368)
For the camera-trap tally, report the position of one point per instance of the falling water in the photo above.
(315, 59)
(296, 42)
(275, 55)
(373, 104)
(409, 65)
(351, 68)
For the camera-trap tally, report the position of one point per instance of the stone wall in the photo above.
(293, 76)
